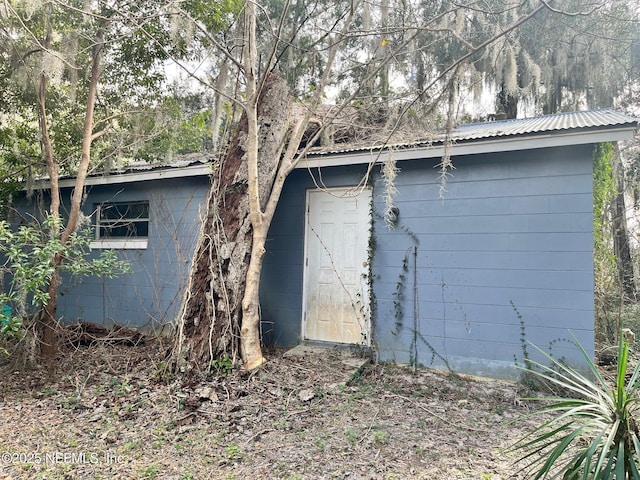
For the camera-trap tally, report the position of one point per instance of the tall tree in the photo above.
(620, 232)
(574, 55)
(77, 78)
(222, 297)
(221, 302)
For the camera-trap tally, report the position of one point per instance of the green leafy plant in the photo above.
(233, 452)
(222, 366)
(28, 254)
(380, 436)
(121, 387)
(593, 432)
(352, 435)
(398, 295)
(10, 326)
(150, 472)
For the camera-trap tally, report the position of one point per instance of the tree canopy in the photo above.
(138, 115)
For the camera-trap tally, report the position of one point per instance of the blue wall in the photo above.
(514, 232)
(512, 240)
(149, 297)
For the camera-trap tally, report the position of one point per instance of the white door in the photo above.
(336, 297)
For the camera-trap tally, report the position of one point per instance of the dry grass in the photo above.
(112, 412)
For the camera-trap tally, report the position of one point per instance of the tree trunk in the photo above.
(210, 321)
(48, 322)
(48, 318)
(620, 232)
(250, 333)
(507, 103)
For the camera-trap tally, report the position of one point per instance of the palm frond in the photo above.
(592, 433)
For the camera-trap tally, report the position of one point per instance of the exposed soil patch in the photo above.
(111, 411)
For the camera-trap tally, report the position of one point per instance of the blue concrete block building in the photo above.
(452, 283)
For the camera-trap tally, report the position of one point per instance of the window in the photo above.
(122, 225)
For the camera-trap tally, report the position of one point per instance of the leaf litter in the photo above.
(114, 412)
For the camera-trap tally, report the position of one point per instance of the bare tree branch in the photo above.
(571, 14)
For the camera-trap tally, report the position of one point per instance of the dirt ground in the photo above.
(113, 412)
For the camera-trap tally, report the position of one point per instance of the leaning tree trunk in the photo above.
(211, 314)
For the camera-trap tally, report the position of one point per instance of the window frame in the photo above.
(119, 242)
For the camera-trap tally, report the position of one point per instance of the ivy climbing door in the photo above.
(336, 292)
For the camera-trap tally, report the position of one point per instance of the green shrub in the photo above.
(29, 252)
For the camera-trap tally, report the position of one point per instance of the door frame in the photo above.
(340, 192)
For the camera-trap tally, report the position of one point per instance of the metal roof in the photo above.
(497, 136)
(561, 129)
(189, 165)
(180, 161)
(544, 124)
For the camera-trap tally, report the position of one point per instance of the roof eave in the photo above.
(475, 146)
(466, 147)
(129, 177)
